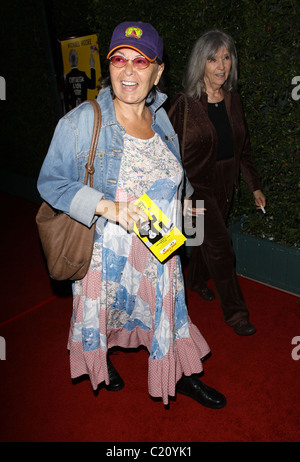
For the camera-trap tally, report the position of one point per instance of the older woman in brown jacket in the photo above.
(216, 147)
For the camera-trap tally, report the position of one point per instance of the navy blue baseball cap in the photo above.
(139, 36)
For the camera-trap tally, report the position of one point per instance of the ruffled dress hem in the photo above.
(163, 373)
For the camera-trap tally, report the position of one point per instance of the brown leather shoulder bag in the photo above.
(68, 244)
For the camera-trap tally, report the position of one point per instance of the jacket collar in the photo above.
(159, 101)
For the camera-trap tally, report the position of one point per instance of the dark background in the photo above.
(267, 38)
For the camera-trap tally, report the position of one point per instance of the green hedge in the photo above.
(267, 39)
(266, 33)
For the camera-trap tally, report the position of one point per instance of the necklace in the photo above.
(211, 101)
(215, 104)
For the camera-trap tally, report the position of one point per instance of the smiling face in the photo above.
(217, 69)
(132, 85)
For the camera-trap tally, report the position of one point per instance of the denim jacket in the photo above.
(61, 178)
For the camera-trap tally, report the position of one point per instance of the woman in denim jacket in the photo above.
(128, 297)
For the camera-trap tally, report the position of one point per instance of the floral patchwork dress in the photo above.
(128, 298)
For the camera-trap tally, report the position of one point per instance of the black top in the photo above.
(219, 117)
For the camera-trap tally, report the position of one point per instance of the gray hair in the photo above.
(206, 48)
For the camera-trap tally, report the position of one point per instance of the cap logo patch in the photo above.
(135, 32)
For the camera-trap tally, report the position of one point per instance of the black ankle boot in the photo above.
(193, 387)
(116, 382)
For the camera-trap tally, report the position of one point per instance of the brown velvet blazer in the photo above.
(200, 148)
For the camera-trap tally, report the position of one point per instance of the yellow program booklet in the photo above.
(158, 233)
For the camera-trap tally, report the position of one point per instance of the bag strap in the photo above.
(90, 169)
(184, 126)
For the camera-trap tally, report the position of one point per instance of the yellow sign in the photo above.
(82, 70)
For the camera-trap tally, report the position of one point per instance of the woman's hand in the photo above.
(188, 210)
(260, 199)
(123, 213)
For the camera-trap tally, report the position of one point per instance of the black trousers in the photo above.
(215, 257)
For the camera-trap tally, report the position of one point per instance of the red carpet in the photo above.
(39, 403)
